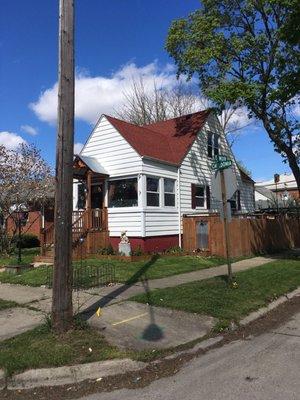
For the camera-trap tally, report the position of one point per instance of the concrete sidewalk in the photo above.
(140, 326)
(40, 297)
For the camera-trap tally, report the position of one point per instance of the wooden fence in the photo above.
(248, 235)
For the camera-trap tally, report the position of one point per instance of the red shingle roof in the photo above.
(167, 141)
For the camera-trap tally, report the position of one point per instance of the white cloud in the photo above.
(29, 129)
(99, 94)
(78, 147)
(10, 140)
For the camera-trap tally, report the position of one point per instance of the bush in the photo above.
(137, 252)
(107, 251)
(28, 241)
(174, 250)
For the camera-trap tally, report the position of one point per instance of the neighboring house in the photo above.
(268, 193)
(148, 177)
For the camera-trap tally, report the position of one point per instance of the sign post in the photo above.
(220, 163)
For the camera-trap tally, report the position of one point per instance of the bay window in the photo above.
(152, 192)
(169, 192)
(123, 193)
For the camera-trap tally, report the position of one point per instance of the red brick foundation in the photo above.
(148, 244)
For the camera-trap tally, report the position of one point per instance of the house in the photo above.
(143, 179)
(270, 193)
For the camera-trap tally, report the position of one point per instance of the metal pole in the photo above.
(226, 230)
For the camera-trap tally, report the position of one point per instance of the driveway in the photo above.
(265, 367)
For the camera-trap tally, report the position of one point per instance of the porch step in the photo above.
(45, 259)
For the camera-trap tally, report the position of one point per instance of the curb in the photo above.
(2, 379)
(264, 310)
(71, 374)
(97, 370)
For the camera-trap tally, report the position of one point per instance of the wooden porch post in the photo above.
(89, 208)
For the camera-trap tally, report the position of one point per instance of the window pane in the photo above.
(169, 185)
(199, 201)
(81, 196)
(199, 191)
(169, 200)
(216, 140)
(152, 184)
(123, 193)
(209, 138)
(153, 199)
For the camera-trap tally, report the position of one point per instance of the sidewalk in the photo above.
(90, 299)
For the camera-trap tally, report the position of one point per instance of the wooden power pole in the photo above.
(62, 308)
(225, 219)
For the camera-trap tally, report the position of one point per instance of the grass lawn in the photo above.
(42, 348)
(7, 304)
(126, 272)
(256, 287)
(27, 257)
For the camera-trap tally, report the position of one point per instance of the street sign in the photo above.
(230, 183)
(221, 162)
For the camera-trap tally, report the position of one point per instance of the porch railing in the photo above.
(82, 223)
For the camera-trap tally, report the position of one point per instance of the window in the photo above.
(169, 192)
(81, 196)
(200, 196)
(212, 144)
(152, 192)
(235, 201)
(123, 193)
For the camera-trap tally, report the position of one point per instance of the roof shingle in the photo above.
(167, 141)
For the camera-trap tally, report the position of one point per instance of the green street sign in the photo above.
(221, 162)
(220, 158)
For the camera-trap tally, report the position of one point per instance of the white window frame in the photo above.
(215, 149)
(173, 193)
(117, 178)
(159, 192)
(204, 197)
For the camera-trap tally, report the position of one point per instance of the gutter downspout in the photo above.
(179, 207)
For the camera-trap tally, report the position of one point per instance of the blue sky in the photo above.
(116, 40)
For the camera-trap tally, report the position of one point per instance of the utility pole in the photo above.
(225, 219)
(62, 307)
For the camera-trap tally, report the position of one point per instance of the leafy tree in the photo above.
(248, 51)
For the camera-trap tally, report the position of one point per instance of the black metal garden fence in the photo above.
(87, 276)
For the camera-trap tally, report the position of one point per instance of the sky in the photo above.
(116, 41)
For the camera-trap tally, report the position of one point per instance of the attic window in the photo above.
(212, 144)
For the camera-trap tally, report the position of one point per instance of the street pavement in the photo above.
(265, 367)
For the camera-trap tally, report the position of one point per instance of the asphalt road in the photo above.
(265, 367)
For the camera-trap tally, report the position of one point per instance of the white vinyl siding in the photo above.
(196, 168)
(113, 152)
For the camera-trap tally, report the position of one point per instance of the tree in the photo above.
(244, 51)
(146, 104)
(25, 179)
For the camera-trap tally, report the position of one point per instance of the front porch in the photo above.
(89, 218)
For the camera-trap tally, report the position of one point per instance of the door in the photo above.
(97, 196)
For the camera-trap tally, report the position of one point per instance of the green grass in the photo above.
(126, 272)
(27, 257)
(256, 288)
(41, 348)
(7, 304)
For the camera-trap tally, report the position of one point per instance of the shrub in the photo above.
(137, 252)
(28, 241)
(174, 250)
(107, 251)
